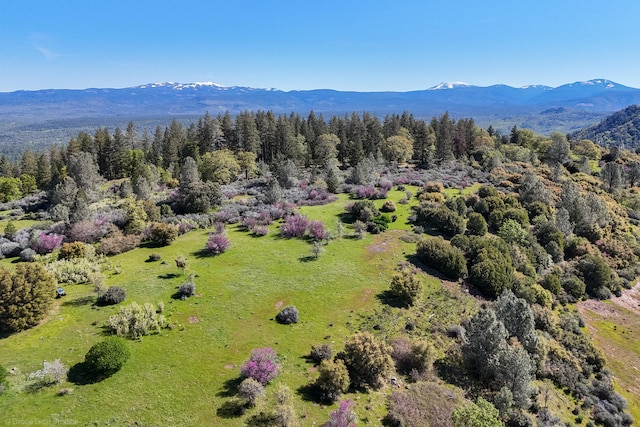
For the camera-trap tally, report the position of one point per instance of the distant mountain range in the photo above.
(44, 116)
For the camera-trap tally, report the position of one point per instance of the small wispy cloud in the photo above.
(48, 53)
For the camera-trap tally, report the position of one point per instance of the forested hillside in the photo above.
(620, 129)
(276, 269)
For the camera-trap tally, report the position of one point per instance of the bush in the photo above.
(333, 380)
(316, 230)
(75, 270)
(113, 295)
(85, 231)
(162, 234)
(135, 321)
(118, 244)
(476, 225)
(343, 416)
(388, 206)
(440, 255)
(25, 296)
(154, 257)
(262, 366)
(47, 243)
(442, 219)
(406, 286)
(294, 226)
(288, 315)
(73, 250)
(362, 210)
(52, 373)
(250, 390)
(26, 255)
(321, 352)
(367, 360)
(107, 357)
(187, 289)
(378, 224)
(218, 243)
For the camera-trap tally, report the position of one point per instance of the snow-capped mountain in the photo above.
(541, 108)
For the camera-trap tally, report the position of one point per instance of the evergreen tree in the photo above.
(25, 296)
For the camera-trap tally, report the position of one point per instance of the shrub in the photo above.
(107, 357)
(480, 414)
(262, 366)
(187, 289)
(294, 226)
(135, 321)
(388, 206)
(343, 416)
(154, 257)
(73, 250)
(52, 373)
(378, 224)
(406, 286)
(182, 263)
(288, 315)
(316, 230)
(113, 295)
(441, 218)
(477, 225)
(218, 243)
(118, 244)
(26, 255)
(25, 296)
(75, 270)
(440, 255)
(162, 234)
(85, 231)
(575, 287)
(360, 228)
(362, 210)
(333, 380)
(46, 243)
(321, 352)
(250, 390)
(367, 359)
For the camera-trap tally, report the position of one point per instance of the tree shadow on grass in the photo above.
(80, 374)
(309, 393)
(79, 302)
(203, 253)
(230, 387)
(233, 408)
(307, 258)
(263, 419)
(387, 298)
(168, 276)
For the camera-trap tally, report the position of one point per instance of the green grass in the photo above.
(616, 331)
(178, 377)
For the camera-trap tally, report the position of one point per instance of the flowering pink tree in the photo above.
(316, 230)
(46, 243)
(343, 416)
(294, 226)
(262, 366)
(218, 243)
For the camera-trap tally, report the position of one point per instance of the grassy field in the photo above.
(186, 376)
(615, 327)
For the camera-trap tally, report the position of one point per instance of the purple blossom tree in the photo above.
(294, 226)
(316, 230)
(218, 243)
(47, 243)
(343, 416)
(262, 366)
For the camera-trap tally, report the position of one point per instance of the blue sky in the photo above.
(345, 45)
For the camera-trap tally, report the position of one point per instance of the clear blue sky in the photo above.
(346, 45)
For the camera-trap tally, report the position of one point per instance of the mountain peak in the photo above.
(450, 85)
(180, 86)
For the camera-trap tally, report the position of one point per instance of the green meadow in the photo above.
(187, 374)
